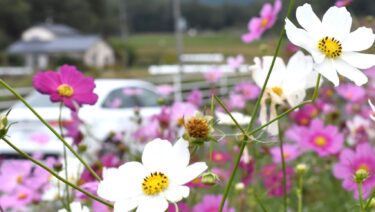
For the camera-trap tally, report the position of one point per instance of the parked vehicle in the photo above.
(113, 112)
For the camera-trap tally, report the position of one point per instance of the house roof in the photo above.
(79, 43)
(59, 30)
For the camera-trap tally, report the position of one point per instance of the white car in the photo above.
(113, 112)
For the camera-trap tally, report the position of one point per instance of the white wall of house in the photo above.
(99, 55)
(37, 33)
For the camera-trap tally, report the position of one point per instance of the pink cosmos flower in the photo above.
(324, 140)
(273, 177)
(351, 161)
(195, 97)
(291, 152)
(18, 199)
(72, 128)
(343, 3)
(165, 90)
(68, 85)
(13, 174)
(220, 157)
(182, 207)
(305, 114)
(351, 92)
(211, 203)
(182, 110)
(248, 90)
(258, 25)
(132, 91)
(213, 75)
(236, 102)
(236, 62)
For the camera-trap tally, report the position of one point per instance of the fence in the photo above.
(188, 83)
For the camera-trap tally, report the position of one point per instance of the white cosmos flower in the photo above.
(148, 186)
(372, 116)
(287, 84)
(332, 45)
(76, 207)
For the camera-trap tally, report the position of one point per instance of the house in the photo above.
(41, 43)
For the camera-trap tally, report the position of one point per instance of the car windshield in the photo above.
(129, 97)
(36, 99)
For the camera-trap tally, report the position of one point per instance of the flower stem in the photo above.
(65, 157)
(25, 155)
(360, 194)
(243, 145)
(300, 192)
(281, 143)
(5, 85)
(255, 110)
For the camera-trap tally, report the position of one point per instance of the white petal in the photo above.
(327, 69)
(154, 204)
(128, 204)
(299, 67)
(359, 40)
(308, 20)
(317, 55)
(298, 37)
(373, 110)
(189, 174)
(181, 154)
(337, 23)
(110, 187)
(176, 193)
(132, 175)
(273, 128)
(296, 97)
(348, 71)
(157, 155)
(359, 60)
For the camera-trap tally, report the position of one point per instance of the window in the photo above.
(130, 97)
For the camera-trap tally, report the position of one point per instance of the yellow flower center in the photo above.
(65, 90)
(363, 167)
(320, 141)
(22, 196)
(330, 47)
(19, 179)
(264, 22)
(277, 90)
(155, 183)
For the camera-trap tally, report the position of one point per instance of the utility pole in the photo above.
(179, 25)
(124, 31)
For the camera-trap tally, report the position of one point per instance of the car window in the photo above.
(36, 99)
(131, 97)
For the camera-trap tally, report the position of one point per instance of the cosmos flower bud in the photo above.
(4, 124)
(372, 203)
(301, 168)
(209, 178)
(57, 166)
(82, 148)
(198, 129)
(360, 175)
(239, 186)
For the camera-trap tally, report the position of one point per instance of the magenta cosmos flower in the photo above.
(352, 93)
(258, 25)
(211, 203)
(350, 162)
(324, 140)
(291, 152)
(272, 177)
(343, 3)
(68, 86)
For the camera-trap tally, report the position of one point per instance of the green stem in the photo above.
(5, 85)
(259, 201)
(255, 110)
(65, 157)
(211, 141)
(360, 194)
(242, 148)
(281, 143)
(300, 192)
(25, 155)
